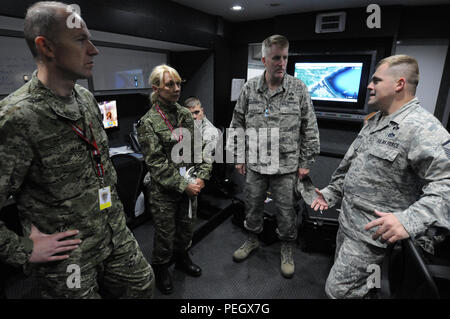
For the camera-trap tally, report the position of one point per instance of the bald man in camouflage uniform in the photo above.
(275, 101)
(71, 242)
(394, 180)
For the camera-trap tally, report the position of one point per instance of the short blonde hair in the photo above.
(276, 39)
(156, 78)
(403, 65)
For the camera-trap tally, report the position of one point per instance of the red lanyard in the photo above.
(93, 145)
(180, 136)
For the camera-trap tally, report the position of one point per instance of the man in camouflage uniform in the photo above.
(278, 102)
(72, 240)
(394, 177)
(172, 197)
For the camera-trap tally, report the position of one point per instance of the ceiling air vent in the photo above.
(330, 22)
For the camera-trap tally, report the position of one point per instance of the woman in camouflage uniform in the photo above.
(171, 196)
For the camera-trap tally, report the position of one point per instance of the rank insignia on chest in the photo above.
(395, 126)
(391, 135)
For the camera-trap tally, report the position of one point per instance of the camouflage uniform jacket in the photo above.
(290, 110)
(211, 139)
(400, 164)
(210, 133)
(157, 142)
(51, 172)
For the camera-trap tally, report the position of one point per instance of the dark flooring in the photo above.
(255, 278)
(258, 277)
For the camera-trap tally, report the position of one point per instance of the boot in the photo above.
(287, 260)
(244, 251)
(183, 262)
(163, 281)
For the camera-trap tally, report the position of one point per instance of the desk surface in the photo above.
(125, 150)
(120, 150)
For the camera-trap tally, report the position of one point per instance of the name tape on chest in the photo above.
(388, 143)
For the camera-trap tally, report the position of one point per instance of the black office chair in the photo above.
(408, 273)
(134, 142)
(10, 216)
(130, 175)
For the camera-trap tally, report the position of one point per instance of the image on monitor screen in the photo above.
(109, 112)
(331, 81)
(336, 82)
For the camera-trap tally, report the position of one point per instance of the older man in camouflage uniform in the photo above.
(395, 177)
(278, 104)
(55, 162)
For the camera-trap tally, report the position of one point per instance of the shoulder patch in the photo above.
(446, 147)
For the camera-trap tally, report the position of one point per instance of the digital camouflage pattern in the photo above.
(210, 133)
(350, 272)
(157, 142)
(173, 227)
(282, 193)
(51, 174)
(119, 270)
(397, 164)
(290, 110)
(211, 138)
(166, 195)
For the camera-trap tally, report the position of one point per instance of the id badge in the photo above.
(104, 197)
(182, 171)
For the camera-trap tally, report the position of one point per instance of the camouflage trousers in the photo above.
(173, 227)
(119, 270)
(353, 259)
(282, 193)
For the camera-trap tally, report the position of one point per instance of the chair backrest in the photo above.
(9, 215)
(407, 274)
(418, 277)
(134, 139)
(130, 174)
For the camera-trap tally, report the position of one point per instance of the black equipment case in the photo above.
(317, 231)
(268, 236)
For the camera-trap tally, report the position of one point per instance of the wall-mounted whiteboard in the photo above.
(120, 69)
(15, 62)
(430, 54)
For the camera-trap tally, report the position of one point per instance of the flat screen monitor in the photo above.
(109, 112)
(331, 81)
(336, 82)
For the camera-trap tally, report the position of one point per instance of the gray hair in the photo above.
(43, 19)
(277, 40)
